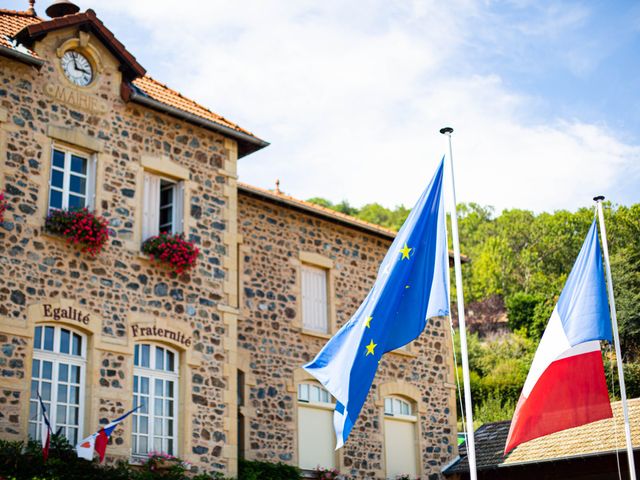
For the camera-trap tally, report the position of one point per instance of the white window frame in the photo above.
(398, 407)
(89, 177)
(152, 374)
(316, 313)
(57, 358)
(152, 187)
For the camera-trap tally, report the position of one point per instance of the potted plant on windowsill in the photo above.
(80, 227)
(172, 250)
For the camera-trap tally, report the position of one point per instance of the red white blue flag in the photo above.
(566, 386)
(46, 430)
(98, 441)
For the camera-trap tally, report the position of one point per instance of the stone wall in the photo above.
(275, 237)
(119, 282)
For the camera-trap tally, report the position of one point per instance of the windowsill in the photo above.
(404, 353)
(311, 333)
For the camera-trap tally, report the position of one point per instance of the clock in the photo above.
(77, 68)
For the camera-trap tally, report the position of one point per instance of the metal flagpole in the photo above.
(616, 339)
(471, 447)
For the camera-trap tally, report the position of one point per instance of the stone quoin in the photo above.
(214, 354)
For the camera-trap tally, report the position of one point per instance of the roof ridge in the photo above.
(22, 13)
(322, 209)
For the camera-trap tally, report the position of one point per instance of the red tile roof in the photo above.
(11, 22)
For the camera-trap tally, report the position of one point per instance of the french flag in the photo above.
(566, 386)
(46, 430)
(98, 441)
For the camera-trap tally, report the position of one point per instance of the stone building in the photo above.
(213, 354)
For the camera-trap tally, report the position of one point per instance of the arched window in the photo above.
(57, 373)
(155, 387)
(400, 437)
(316, 437)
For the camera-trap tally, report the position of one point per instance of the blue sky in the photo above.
(543, 95)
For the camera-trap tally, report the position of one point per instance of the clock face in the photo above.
(77, 68)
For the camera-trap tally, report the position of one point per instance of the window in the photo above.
(71, 184)
(58, 370)
(400, 437)
(163, 206)
(315, 311)
(155, 388)
(316, 437)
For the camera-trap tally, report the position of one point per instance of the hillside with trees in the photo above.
(518, 264)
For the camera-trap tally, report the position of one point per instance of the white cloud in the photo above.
(352, 94)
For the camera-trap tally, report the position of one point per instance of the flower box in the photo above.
(80, 227)
(172, 250)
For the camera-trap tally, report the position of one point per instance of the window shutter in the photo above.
(314, 299)
(92, 177)
(151, 206)
(178, 208)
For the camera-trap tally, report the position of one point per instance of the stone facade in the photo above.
(238, 312)
(276, 239)
(120, 286)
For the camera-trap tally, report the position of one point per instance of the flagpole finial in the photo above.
(599, 198)
(446, 131)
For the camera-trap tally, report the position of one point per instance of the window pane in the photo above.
(47, 370)
(34, 389)
(74, 415)
(33, 411)
(65, 336)
(170, 363)
(136, 355)
(55, 199)
(144, 350)
(35, 368)
(144, 385)
(387, 406)
(166, 193)
(78, 164)
(166, 217)
(159, 359)
(144, 425)
(168, 408)
(48, 339)
(157, 426)
(72, 435)
(45, 391)
(63, 372)
(61, 415)
(77, 344)
(158, 407)
(169, 392)
(76, 201)
(57, 178)
(135, 388)
(58, 159)
(143, 445)
(78, 184)
(157, 444)
(75, 396)
(170, 446)
(75, 374)
(37, 338)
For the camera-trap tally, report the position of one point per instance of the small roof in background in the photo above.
(601, 437)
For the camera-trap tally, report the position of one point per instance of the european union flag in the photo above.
(412, 285)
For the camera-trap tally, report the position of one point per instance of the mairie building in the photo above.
(214, 354)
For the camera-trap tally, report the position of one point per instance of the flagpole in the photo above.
(471, 447)
(616, 339)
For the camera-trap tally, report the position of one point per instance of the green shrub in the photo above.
(254, 470)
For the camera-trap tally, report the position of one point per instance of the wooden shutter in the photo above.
(315, 314)
(151, 206)
(316, 438)
(400, 447)
(178, 208)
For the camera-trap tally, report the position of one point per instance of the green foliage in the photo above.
(255, 470)
(493, 409)
(23, 461)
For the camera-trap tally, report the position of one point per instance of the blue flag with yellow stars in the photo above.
(412, 286)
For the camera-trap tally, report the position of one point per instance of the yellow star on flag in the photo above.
(371, 347)
(405, 251)
(367, 322)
